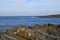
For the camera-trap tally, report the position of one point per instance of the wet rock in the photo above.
(1, 36)
(37, 26)
(58, 26)
(37, 32)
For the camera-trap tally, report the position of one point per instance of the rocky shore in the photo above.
(50, 16)
(36, 32)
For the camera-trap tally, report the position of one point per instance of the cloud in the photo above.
(29, 6)
(8, 0)
(39, 5)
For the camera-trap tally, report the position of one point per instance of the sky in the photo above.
(29, 7)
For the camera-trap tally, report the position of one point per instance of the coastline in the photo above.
(32, 33)
(50, 16)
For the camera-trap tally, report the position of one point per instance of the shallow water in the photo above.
(12, 21)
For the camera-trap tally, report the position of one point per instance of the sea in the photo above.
(9, 22)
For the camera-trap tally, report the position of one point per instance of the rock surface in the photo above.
(37, 32)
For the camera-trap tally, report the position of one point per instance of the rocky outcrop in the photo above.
(50, 16)
(1, 36)
(37, 32)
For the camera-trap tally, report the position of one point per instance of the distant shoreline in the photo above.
(50, 16)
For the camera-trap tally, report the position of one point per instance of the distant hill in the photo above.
(51, 16)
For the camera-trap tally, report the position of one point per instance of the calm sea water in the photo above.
(13, 21)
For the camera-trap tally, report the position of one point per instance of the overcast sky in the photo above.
(29, 7)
